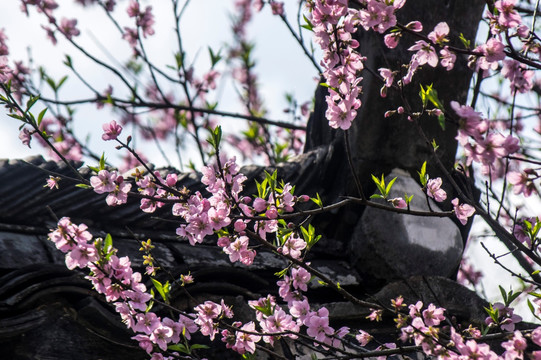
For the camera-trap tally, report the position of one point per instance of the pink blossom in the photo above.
(81, 256)
(439, 34)
(161, 336)
(246, 342)
(238, 251)
(448, 58)
(363, 337)
(69, 28)
(104, 181)
(412, 68)
(521, 182)
(508, 16)
(111, 130)
(493, 51)
(398, 203)
(144, 342)
(52, 182)
(518, 75)
(467, 274)
(536, 336)
(425, 54)
(391, 40)
(387, 75)
(300, 278)
(146, 322)
(3, 46)
(318, 326)
(462, 211)
(119, 195)
(277, 8)
(416, 26)
(25, 136)
(434, 190)
(433, 315)
(514, 348)
(301, 310)
(293, 246)
(145, 21)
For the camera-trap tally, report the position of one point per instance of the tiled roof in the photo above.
(25, 201)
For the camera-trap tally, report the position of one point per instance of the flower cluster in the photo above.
(114, 277)
(333, 25)
(112, 183)
(482, 144)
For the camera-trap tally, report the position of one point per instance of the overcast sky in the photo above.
(281, 65)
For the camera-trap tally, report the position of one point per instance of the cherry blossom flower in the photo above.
(104, 181)
(277, 8)
(448, 58)
(25, 136)
(293, 246)
(434, 190)
(462, 211)
(514, 348)
(439, 34)
(425, 53)
(246, 342)
(363, 337)
(522, 184)
(318, 326)
(111, 130)
(398, 203)
(518, 75)
(508, 17)
(69, 28)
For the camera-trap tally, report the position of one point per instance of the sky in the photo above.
(281, 65)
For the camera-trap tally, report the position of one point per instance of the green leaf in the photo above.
(504, 294)
(179, 347)
(31, 102)
(423, 177)
(61, 82)
(18, 117)
(281, 273)
(214, 58)
(380, 185)
(102, 161)
(198, 346)
(163, 289)
(95, 169)
(408, 198)
(441, 120)
(215, 137)
(317, 200)
(512, 296)
(41, 115)
(68, 62)
(108, 243)
(532, 309)
(308, 26)
(465, 42)
(179, 60)
(328, 86)
(83, 186)
(537, 295)
(388, 188)
(51, 83)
